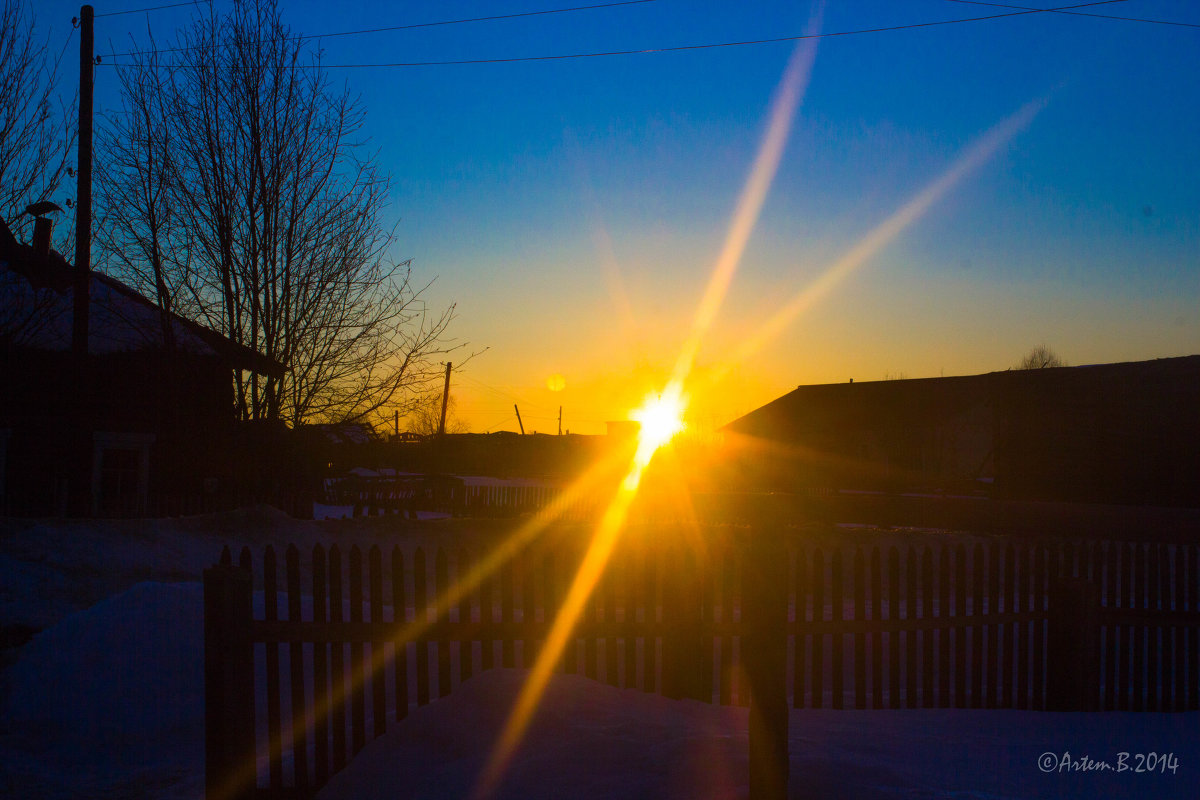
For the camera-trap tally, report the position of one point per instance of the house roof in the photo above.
(37, 302)
(913, 402)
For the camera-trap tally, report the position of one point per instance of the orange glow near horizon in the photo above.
(661, 419)
(661, 415)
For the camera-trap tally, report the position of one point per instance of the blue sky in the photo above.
(574, 208)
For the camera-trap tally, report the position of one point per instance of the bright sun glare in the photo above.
(661, 417)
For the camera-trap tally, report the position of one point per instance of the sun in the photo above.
(661, 418)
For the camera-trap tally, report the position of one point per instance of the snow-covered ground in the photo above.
(107, 701)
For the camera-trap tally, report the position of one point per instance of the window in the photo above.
(120, 473)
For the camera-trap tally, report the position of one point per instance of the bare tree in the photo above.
(36, 138)
(426, 416)
(1041, 357)
(238, 193)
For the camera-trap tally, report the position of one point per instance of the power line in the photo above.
(1175, 23)
(503, 393)
(707, 46)
(412, 26)
(744, 43)
(153, 8)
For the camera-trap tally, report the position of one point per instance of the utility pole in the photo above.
(79, 476)
(560, 420)
(519, 423)
(83, 189)
(445, 401)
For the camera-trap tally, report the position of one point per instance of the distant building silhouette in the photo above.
(1124, 433)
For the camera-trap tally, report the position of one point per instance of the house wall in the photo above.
(1120, 433)
(163, 424)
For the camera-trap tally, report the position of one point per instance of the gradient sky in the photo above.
(574, 209)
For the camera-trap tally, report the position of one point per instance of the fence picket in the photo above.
(893, 566)
(1154, 651)
(860, 638)
(630, 604)
(943, 639)
(421, 604)
(1008, 631)
(910, 630)
(960, 630)
(441, 585)
(320, 672)
(358, 695)
(508, 656)
(650, 580)
(1024, 603)
(1040, 590)
(375, 598)
(1181, 632)
(1124, 690)
(837, 585)
(725, 691)
(339, 686)
(1139, 632)
(1192, 581)
(875, 636)
(466, 648)
(400, 646)
(299, 708)
(818, 639)
(487, 619)
(977, 591)
(608, 592)
(799, 651)
(994, 652)
(1112, 633)
(925, 597)
(274, 726)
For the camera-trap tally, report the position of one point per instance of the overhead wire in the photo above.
(1021, 11)
(502, 392)
(715, 45)
(410, 26)
(1074, 13)
(152, 8)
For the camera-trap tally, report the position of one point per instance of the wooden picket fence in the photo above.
(344, 644)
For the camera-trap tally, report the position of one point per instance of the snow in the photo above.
(121, 320)
(107, 700)
(595, 741)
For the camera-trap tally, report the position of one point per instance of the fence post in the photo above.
(686, 665)
(229, 757)
(1072, 651)
(764, 598)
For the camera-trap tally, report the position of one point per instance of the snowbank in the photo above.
(598, 742)
(110, 701)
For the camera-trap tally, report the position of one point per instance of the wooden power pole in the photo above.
(560, 420)
(83, 189)
(520, 424)
(445, 401)
(79, 473)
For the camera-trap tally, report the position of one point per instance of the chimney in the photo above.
(42, 228)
